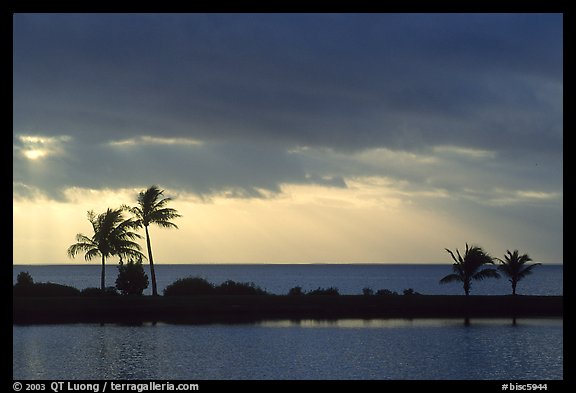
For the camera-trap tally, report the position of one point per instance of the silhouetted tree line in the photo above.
(25, 286)
(132, 280)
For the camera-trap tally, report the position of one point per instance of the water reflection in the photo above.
(407, 322)
(297, 349)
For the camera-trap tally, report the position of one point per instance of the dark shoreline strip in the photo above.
(241, 309)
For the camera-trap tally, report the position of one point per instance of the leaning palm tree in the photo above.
(152, 209)
(112, 236)
(514, 266)
(467, 268)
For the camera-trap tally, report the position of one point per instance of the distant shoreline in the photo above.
(242, 309)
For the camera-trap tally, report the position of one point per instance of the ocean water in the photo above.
(278, 279)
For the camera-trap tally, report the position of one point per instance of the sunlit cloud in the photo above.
(151, 140)
(464, 152)
(21, 191)
(524, 197)
(500, 197)
(34, 147)
(538, 195)
(387, 156)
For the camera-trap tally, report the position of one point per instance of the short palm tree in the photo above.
(467, 268)
(152, 209)
(112, 236)
(514, 266)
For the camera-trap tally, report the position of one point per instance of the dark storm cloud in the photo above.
(324, 80)
(253, 86)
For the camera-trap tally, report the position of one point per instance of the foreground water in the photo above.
(350, 279)
(425, 349)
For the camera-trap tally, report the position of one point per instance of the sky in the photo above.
(292, 138)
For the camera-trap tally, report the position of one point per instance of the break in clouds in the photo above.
(463, 105)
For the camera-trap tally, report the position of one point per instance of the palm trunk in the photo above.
(513, 288)
(152, 272)
(102, 275)
(466, 287)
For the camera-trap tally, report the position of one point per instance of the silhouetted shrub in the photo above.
(24, 278)
(386, 292)
(108, 291)
(332, 291)
(44, 289)
(296, 291)
(190, 286)
(410, 292)
(132, 280)
(367, 291)
(92, 291)
(239, 288)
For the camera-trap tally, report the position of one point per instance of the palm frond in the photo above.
(165, 214)
(129, 249)
(506, 269)
(527, 270)
(514, 265)
(135, 210)
(126, 225)
(166, 224)
(485, 273)
(451, 278)
(159, 204)
(452, 255)
(151, 208)
(81, 238)
(148, 198)
(524, 258)
(92, 254)
(75, 249)
(83, 244)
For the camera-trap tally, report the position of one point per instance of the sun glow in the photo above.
(34, 154)
(37, 147)
(303, 224)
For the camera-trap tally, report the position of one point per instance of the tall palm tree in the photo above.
(467, 268)
(112, 236)
(514, 266)
(152, 209)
